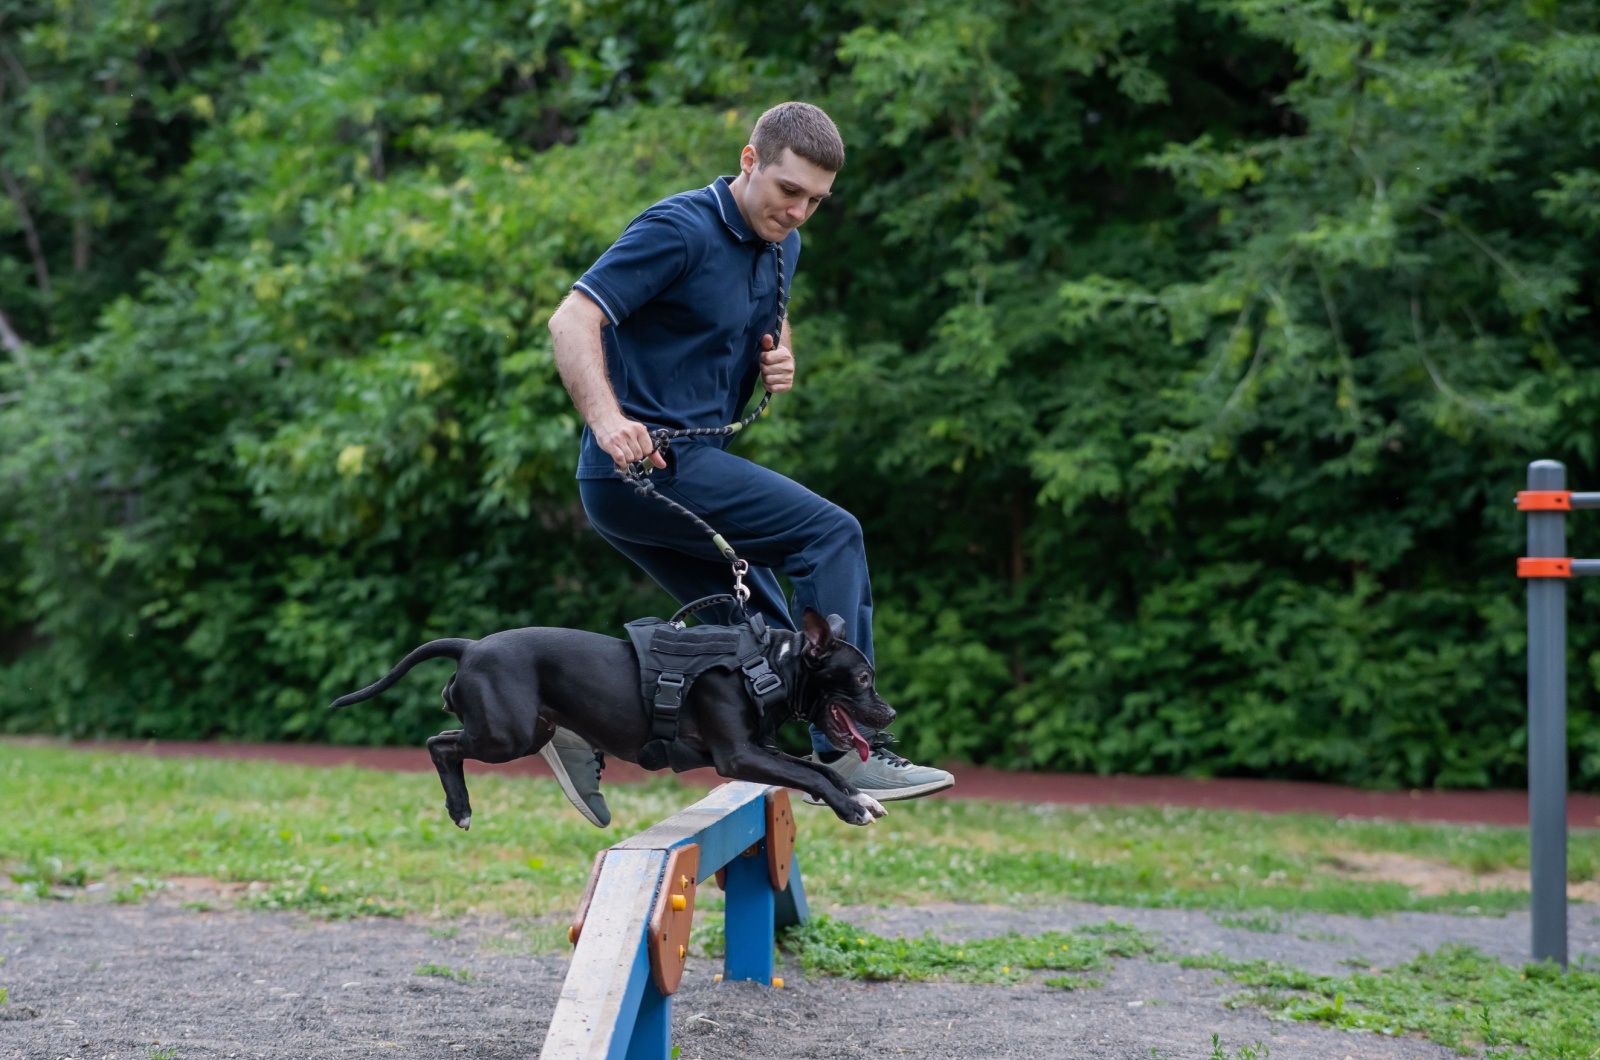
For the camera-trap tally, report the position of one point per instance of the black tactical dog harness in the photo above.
(671, 657)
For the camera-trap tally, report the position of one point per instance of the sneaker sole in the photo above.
(549, 754)
(914, 791)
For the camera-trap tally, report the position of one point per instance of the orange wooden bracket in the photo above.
(1543, 568)
(668, 942)
(1544, 501)
(583, 904)
(780, 838)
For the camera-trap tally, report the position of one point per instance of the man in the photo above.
(672, 327)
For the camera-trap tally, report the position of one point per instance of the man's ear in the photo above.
(819, 637)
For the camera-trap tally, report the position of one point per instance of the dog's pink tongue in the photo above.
(858, 741)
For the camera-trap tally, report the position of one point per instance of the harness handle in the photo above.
(699, 605)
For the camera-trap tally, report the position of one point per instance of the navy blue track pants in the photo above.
(775, 523)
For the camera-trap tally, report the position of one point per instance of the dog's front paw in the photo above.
(861, 810)
(870, 804)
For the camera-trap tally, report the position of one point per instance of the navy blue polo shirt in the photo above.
(688, 290)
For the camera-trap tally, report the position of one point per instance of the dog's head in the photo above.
(839, 691)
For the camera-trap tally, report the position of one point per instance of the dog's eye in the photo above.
(863, 679)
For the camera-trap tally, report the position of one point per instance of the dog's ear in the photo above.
(819, 634)
(836, 627)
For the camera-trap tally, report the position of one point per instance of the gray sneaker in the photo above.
(577, 768)
(886, 776)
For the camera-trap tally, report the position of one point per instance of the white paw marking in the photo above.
(465, 822)
(870, 804)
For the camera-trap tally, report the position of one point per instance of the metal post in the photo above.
(1547, 723)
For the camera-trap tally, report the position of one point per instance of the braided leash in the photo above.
(638, 471)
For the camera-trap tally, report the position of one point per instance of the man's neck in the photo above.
(738, 187)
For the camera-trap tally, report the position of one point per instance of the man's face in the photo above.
(782, 195)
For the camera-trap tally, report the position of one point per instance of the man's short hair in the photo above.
(803, 129)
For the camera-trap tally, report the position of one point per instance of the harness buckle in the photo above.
(762, 677)
(669, 690)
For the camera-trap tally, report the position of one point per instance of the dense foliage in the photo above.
(1180, 358)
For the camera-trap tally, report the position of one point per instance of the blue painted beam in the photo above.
(725, 823)
(599, 1002)
(609, 1008)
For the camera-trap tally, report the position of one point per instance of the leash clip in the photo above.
(741, 591)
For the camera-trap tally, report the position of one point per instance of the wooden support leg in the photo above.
(791, 909)
(652, 1028)
(750, 917)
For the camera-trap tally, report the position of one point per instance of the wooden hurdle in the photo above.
(632, 929)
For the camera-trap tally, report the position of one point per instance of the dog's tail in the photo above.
(450, 648)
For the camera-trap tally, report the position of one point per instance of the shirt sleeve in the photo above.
(646, 259)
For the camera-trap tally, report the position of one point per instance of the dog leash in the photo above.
(638, 471)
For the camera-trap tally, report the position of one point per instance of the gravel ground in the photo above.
(92, 980)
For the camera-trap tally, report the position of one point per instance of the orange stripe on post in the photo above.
(1544, 501)
(1538, 567)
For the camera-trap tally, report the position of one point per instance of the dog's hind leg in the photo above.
(445, 750)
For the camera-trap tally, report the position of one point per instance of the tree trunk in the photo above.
(31, 234)
(82, 234)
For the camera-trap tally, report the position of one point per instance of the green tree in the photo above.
(1179, 358)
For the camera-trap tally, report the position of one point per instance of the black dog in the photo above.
(513, 689)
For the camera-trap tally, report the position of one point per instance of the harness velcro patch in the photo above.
(697, 640)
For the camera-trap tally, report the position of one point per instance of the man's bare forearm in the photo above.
(581, 359)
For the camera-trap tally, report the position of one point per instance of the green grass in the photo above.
(1263, 922)
(1456, 996)
(1255, 1051)
(350, 842)
(832, 947)
(441, 971)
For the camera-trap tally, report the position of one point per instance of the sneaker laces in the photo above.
(880, 749)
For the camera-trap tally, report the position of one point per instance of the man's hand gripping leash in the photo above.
(637, 475)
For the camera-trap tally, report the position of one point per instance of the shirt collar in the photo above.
(728, 209)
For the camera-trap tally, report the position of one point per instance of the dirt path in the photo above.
(91, 981)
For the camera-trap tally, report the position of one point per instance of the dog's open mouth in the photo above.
(844, 726)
